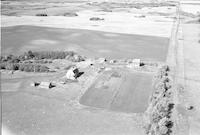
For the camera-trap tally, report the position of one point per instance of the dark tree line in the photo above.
(31, 61)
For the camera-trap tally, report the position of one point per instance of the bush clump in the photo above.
(38, 61)
(70, 14)
(41, 14)
(96, 19)
(54, 55)
(33, 68)
(24, 67)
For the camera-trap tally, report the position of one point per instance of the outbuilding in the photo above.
(72, 73)
(135, 63)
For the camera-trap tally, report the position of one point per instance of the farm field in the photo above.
(122, 91)
(18, 39)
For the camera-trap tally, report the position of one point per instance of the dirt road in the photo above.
(188, 64)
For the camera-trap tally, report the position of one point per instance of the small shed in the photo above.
(135, 63)
(72, 73)
(101, 60)
(46, 85)
(113, 61)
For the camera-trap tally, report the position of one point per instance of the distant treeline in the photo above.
(70, 55)
(31, 61)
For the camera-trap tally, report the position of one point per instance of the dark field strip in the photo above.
(128, 93)
(18, 39)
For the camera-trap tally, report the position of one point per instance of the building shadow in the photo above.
(79, 74)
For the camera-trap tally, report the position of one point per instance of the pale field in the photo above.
(123, 19)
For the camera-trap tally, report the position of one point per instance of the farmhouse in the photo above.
(72, 73)
(46, 85)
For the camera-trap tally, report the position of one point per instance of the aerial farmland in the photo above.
(87, 67)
